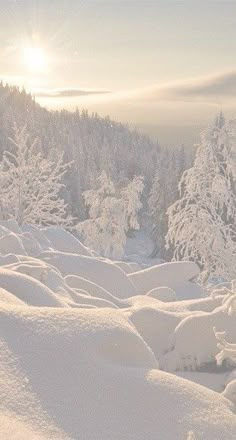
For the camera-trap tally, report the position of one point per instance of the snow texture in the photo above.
(83, 341)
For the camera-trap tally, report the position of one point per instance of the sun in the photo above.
(35, 59)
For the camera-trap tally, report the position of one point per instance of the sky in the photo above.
(165, 66)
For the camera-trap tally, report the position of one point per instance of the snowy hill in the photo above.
(83, 341)
(93, 143)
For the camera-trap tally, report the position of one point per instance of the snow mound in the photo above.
(230, 392)
(9, 299)
(99, 271)
(163, 294)
(4, 231)
(188, 289)
(51, 278)
(31, 245)
(214, 380)
(18, 428)
(8, 259)
(124, 266)
(171, 275)
(155, 326)
(193, 305)
(11, 225)
(81, 339)
(91, 288)
(37, 271)
(28, 289)
(194, 341)
(135, 266)
(90, 375)
(12, 243)
(38, 235)
(63, 241)
(230, 377)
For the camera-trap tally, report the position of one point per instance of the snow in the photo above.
(38, 235)
(201, 223)
(172, 275)
(230, 392)
(29, 290)
(91, 288)
(63, 241)
(11, 225)
(31, 245)
(191, 353)
(113, 212)
(100, 271)
(155, 326)
(12, 243)
(94, 375)
(163, 294)
(84, 343)
(124, 266)
(213, 380)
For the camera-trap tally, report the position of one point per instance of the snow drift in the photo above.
(85, 375)
(82, 340)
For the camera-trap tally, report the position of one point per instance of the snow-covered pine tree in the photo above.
(163, 193)
(202, 222)
(132, 204)
(30, 185)
(157, 209)
(112, 214)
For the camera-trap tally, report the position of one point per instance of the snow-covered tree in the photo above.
(130, 196)
(202, 223)
(157, 209)
(227, 350)
(92, 142)
(94, 197)
(112, 214)
(164, 192)
(30, 185)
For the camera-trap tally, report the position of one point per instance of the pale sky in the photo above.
(163, 62)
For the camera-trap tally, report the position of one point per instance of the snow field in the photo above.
(83, 341)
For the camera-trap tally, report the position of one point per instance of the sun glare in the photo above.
(35, 59)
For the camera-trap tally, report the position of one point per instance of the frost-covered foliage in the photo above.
(130, 196)
(30, 184)
(227, 350)
(92, 142)
(112, 214)
(164, 192)
(202, 222)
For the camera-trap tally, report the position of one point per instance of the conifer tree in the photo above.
(202, 223)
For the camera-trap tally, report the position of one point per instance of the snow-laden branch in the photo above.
(202, 222)
(30, 185)
(112, 214)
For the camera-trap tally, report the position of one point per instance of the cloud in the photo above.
(68, 93)
(218, 88)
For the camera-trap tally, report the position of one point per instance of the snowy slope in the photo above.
(81, 344)
(94, 375)
(173, 275)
